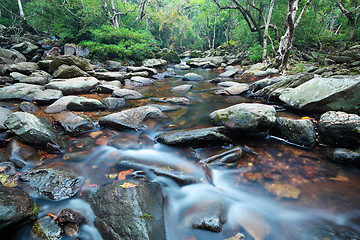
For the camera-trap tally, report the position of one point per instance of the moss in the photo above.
(172, 57)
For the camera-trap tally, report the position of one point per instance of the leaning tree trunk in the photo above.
(266, 31)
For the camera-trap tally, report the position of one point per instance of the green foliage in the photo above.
(6, 21)
(123, 43)
(255, 53)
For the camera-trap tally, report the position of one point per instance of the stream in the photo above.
(328, 206)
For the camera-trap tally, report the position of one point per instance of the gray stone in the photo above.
(113, 65)
(195, 137)
(342, 59)
(18, 76)
(17, 91)
(228, 74)
(143, 74)
(28, 107)
(78, 85)
(267, 72)
(85, 104)
(109, 76)
(340, 129)
(151, 71)
(193, 77)
(264, 83)
(13, 56)
(30, 128)
(4, 113)
(127, 94)
(182, 88)
(46, 228)
(19, 153)
(324, 94)
(59, 105)
(25, 47)
(104, 87)
(82, 63)
(173, 100)
(66, 71)
(45, 97)
(346, 156)
(229, 156)
(132, 213)
(235, 89)
(55, 183)
(247, 118)
(228, 84)
(164, 107)
(135, 82)
(154, 63)
(23, 67)
(130, 118)
(73, 124)
(114, 104)
(45, 64)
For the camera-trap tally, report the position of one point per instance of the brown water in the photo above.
(328, 206)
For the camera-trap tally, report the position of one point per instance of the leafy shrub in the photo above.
(123, 43)
(6, 21)
(255, 53)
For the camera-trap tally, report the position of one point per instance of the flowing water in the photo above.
(328, 206)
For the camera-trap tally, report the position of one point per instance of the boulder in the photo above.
(143, 74)
(59, 105)
(18, 76)
(17, 208)
(30, 128)
(45, 97)
(151, 71)
(135, 82)
(207, 62)
(193, 77)
(267, 72)
(28, 107)
(130, 118)
(247, 118)
(25, 48)
(105, 87)
(228, 74)
(173, 100)
(346, 156)
(19, 153)
(85, 104)
(82, 63)
(113, 65)
(340, 129)
(80, 85)
(109, 76)
(182, 88)
(264, 83)
(127, 94)
(172, 57)
(66, 71)
(234, 89)
(13, 56)
(154, 63)
(23, 67)
(35, 80)
(46, 228)
(9, 177)
(165, 107)
(54, 183)
(4, 113)
(45, 64)
(325, 94)
(195, 137)
(17, 91)
(73, 124)
(114, 104)
(301, 132)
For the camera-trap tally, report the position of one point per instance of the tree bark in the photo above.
(352, 18)
(214, 33)
(21, 11)
(266, 31)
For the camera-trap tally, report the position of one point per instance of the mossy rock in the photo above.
(172, 57)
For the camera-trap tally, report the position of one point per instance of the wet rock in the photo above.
(17, 91)
(104, 87)
(73, 124)
(132, 213)
(167, 74)
(184, 67)
(325, 94)
(230, 156)
(78, 85)
(172, 57)
(25, 48)
(70, 221)
(247, 118)
(18, 76)
(130, 118)
(127, 94)
(4, 113)
(235, 89)
(195, 137)
(28, 107)
(209, 215)
(340, 129)
(8, 175)
(19, 153)
(264, 83)
(227, 84)
(151, 71)
(35, 80)
(17, 208)
(283, 190)
(173, 100)
(165, 108)
(346, 156)
(5, 138)
(255, 68)
(69, 60)
(55, 183)
(154, 63)
(66, 71)
(113, 65)
(135, 82)
(114, 104)
(136, 74)
(85, 104)
(13, 56)
(301, 132)
(44, 64)
(45, 97)
(193, 77)
(109, 76)
(46, 228)
(30, 128)
(208, 62)
(267, 72)
(228, 74)
(23, 67)
(182, 88)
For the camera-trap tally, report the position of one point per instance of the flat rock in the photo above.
(264, 83)
(66, 71)
(78, 85)
(247, 118)
(114, 104)
(82, 63)
(17, 208)
(127, 94)
(135, 82)
(85, 104)
(193, 77)
(30, 128)
(228, 74)
(25, 47)
(45, 97)
(235, 89)
(59, 105)
(23, 67)
(4, 113)
(13, 56)
(173, 100)
(109, 76)
(28, 107)
(154, 63)
(151, 71)
(136, 74)
(165, 107)
(46, 228)
(340, 129)
(105, 87)
(17, 91)
(55, 183)
(325, 94)
(267, 72)
(129, 213)
(131, 118)
(182, 88)
(194, 137)
(73, 124)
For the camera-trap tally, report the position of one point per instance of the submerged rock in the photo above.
(78, 85)
(131, 118)
(346, 156)
(8, 175)
(17, 208)
(46, 228)
(73, 124)
(194, 137)
(283, 190)
(129, 213)
(340, 129)
(247, 118)
(19, 153)
(30, 128)
(55, 183)
(229, 156)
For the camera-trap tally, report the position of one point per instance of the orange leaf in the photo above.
(51, 215)
(93, 185)
(95, 134)
(304, 118)
(122, 175)
(128, 185)
(164, 98)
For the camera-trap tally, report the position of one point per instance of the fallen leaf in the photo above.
(164, 98)
(95, 134)
(305, 118)
(51, 215)
(128, 185)
(122, 175)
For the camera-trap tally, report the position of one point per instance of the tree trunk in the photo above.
(352, 18)
(21, 9)
(266, 31)
(214, 33)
